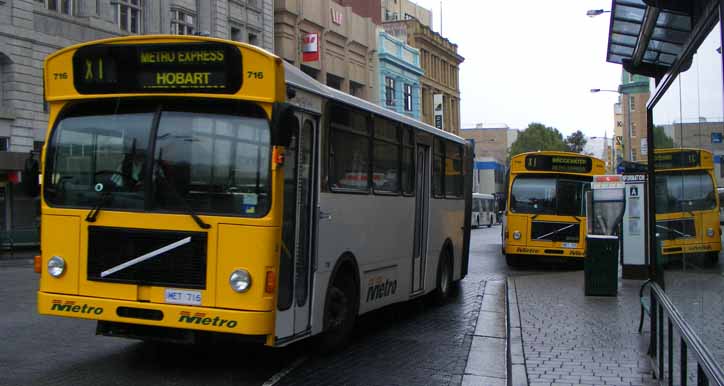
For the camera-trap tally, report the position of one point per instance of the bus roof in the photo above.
(297, 78)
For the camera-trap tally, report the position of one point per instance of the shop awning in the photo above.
(646, 40)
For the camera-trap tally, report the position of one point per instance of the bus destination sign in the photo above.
(676, 160)
(558, 163)
(154, 68)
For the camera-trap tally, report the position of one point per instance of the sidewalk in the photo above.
(572, 339)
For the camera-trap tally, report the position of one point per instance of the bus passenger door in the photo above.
(422, 204)
(298, 227)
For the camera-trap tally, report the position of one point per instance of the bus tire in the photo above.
(490, 223)
(444, 287)
(513, 261)
(340, 313)
(713, 257)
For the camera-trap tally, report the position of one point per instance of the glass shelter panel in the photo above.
(688, 125)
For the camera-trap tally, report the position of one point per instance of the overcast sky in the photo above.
(532, 61)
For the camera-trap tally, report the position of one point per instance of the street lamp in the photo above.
(595, 12)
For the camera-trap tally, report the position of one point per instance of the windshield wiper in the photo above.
(103, 200)
(178, 196)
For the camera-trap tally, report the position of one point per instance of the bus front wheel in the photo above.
(513, 261)
(490, 223)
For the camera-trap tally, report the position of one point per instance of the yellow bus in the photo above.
(687, 204)
(194, 185)
(545, 209)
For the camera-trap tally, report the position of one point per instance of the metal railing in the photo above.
(708, 372)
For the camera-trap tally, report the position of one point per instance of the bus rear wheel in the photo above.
(444, 279)
(339, 315)
(490, 222)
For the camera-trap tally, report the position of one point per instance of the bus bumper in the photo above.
(573, 254)
(672, 249)
(253, 323)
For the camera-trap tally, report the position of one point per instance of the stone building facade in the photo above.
(440, 62)
(393, 10)
(329, 42)
(32, 29)
(399, 76)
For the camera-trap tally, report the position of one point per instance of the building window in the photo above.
(408, 97)
(254, 38)
(356, 89)
(4, 143)
(632, 103)
(389, 91)
(182, 22)
(129, 15)
(235, 34)
(61, 6)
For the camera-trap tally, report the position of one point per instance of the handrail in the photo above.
(706, 364)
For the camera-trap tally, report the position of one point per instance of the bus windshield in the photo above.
(684, 191)
(549, 194)
(166, 155)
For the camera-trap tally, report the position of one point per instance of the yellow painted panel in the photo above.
(255, 249)
(59, 237)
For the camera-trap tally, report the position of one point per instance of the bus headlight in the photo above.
(56, 266)
(710, 232)
(516, 235)
(240, 280)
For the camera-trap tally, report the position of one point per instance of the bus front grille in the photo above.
(676, 229)
(555, 231)
(182, 263)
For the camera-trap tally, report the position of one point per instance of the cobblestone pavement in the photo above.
(571, 339)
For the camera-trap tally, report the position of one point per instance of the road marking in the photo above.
(281, 374)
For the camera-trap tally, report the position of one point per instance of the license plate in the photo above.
(177, 296)
(570, 245)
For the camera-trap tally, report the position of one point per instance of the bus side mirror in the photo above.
(31, 172)
(281, 124)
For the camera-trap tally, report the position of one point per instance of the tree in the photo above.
(661, 140)
(538, 137)
(576, 142)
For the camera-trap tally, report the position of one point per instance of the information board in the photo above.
(148, 68)
(558, 163)
(676, 160)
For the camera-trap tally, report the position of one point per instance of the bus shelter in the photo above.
(678, 43)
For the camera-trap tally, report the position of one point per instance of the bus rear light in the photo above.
(37, 263)
(271, 282)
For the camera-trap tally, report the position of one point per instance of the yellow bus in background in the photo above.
(194, 185)
(687, 203)
(545, 206)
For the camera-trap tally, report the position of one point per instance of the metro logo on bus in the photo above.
(70, 306)
(202, 319)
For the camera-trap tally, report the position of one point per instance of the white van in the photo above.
(483, 210)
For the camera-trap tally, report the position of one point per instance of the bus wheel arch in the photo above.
(341, 304)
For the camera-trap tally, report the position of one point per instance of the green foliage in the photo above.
(576, 142)
(661, 140)
(538, 137)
